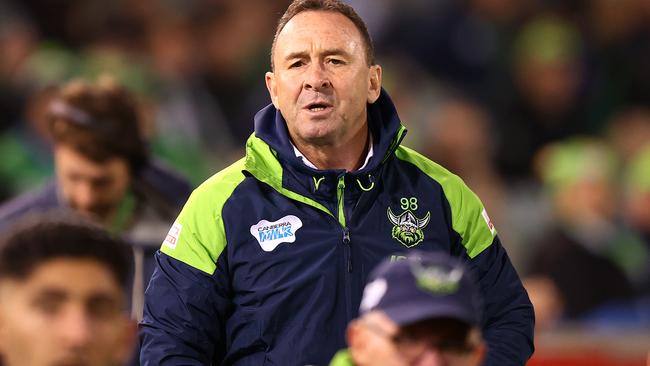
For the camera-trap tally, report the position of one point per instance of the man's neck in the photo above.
(349, 156)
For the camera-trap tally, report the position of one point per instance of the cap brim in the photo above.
(409, 313)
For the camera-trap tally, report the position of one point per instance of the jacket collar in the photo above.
(270, 156)
(383, 121)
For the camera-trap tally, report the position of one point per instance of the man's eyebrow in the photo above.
(328, 52)
(51, 293)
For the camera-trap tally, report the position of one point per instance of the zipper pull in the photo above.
(346, 241)
(346, 235)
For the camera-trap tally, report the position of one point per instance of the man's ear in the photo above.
(374, 86)
(269, 77)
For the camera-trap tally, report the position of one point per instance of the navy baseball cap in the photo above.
(422, 286)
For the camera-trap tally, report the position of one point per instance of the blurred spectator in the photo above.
(547, 104)
(575, 270)
(459, 138)
(103, 171)
(63, 294)
(620, 52)
(636, 210)
(629, 131)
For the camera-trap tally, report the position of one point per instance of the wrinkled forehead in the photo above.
(315, 30)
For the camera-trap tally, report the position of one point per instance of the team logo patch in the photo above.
(271, 234)
(172, 236)
(407, 228)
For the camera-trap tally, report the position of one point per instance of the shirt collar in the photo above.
(311, 165)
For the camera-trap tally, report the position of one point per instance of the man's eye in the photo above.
(335, 61)
(47, 306)
(296, 64)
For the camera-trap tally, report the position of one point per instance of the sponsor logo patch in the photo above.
(489, 223)
(172, 236)
(271, 234)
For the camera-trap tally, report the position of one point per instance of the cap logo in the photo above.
(373, 293)
(407, 228)
(437, 280)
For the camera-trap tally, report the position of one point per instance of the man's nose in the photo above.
(85, 196)
(316, 78)
(431, 357)
(75, 329)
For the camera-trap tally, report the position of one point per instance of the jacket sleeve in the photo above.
(184, 316)
(189, 296)
(508, 318)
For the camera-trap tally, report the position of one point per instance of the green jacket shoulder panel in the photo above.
(198, 237)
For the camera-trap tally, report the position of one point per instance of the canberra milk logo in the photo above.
(271, 234)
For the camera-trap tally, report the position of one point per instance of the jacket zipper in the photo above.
(341, 215)
(347, 252)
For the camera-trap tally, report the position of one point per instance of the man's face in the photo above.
(91, 188)
(321, 80)
(376, 340)
(66, 312)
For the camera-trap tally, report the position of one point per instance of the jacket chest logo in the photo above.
(271, 234)
(407, 228)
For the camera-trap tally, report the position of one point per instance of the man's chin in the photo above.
(99, 217)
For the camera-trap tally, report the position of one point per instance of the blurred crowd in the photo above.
(541, 106)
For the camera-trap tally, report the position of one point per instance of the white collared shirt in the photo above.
(311, 165)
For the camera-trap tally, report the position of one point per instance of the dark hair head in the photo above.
(44, 237)
(299, 6)
(99, 120)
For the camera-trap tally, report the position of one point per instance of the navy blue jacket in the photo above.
(267, 261)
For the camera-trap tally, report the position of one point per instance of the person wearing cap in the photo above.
(103, 172)
(424, 310)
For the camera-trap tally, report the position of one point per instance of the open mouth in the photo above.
(317, 107)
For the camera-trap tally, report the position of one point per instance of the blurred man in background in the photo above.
(63, 295)
(579, 176)
(422, 310)
(103, 172)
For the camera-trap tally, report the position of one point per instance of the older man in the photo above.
(267, 261)
(424, 310)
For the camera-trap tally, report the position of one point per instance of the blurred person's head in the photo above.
(636, 191)
(546, 64)
(62, 294)
(424, 309)
(98, 145)
(613, 21)
(629, 131)
(580, 175)
(459, 136)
